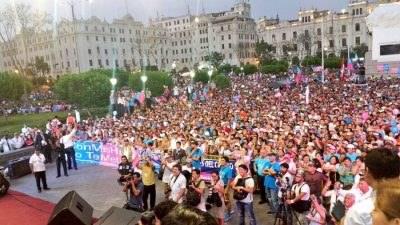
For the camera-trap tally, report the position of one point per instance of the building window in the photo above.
(331, 44)
(319, 31)
(89, 51)
(330, 30)
(106, 51)
(354, 12)
(273, 37)
(222, 37)
(90, 62)
(229, 37)
(319, 44)
(306, 33)
(230, 45)
(357, 27)
(358, 40)
(222, 28)
(344, 42)
(343, 28)
(97, 38)
(86, 28)
(361, 11)
(99, 61)
(284, 37)
(294, 34)
(87, 38)
(223, 46)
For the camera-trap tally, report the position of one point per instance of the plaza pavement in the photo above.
(98, 186)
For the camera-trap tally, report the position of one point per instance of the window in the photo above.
(230, 45)
(343, 28)
(319, 44)
(319, 31)
(223, 46)
(294, 34)
(306, 33)
(357, 27)
(97, 38)
(331, 44)
(344, 42)
(89, 51)
(99, 61)
(90, 62)
(222, 37)
(358, 40)
(361, 11)
(283, 36)
(354, 12)
(86, 28)
(222, 28)
(87, 38)
(273, 37)
(106, 51)
(330, 30)
(229, 37)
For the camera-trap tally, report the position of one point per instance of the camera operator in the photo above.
(284, 180)
(300, 198)
(135, 187)
(124, 169)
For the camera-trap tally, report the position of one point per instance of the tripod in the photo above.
(285, 214)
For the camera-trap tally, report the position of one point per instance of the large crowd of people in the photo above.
(329, 145)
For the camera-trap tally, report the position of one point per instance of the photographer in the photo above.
(300, 198)
(124, 169)
(284, 180)
(135, 188)
(217, 191)
(317, 214)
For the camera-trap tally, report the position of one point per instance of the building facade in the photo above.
(313, 30)
(84, 44)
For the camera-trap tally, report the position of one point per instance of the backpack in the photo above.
(302, 205)
(193, 198)
(242, 194)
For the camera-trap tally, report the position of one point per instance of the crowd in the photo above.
(329, 145)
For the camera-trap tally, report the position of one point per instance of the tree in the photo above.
(222, 81)
(305, 41)
(295, 60)
(249, 69)
(13, 86)
(155, 83)
(41, 66)
(264, 51)
(201, 76)
(360, 50)
(17, 24)
(225, 68)
(215, 59)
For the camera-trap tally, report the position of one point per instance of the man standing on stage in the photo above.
(68, 142)
(38, 168)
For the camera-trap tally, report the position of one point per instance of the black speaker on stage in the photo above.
(118, 216)
(72, 209)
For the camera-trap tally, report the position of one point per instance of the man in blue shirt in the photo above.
(271, 190)
(196, 155)
(226, 175)
(261, 163)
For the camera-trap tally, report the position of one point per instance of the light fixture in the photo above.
(192, 74)
(113, 81)
(143, 78)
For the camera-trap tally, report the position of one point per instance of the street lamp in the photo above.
(241, 69)
(290, 57)
(173, 65)
(16, 71)
(144, 80)
(192, 74)
(323, 65)
(210, 72)
(113, 81)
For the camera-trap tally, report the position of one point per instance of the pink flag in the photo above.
(141, 97)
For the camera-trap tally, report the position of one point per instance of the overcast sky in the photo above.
(144, 9)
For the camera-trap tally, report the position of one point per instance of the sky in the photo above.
(142, 10)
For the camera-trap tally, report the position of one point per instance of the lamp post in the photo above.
(113, 82)
(143, 78)
(241, 69)
(323, 65)
(290, 58)
(210, 72)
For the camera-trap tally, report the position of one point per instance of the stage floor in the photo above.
(98, 186)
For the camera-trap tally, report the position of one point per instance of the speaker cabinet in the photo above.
(72, 209)
(118, 216)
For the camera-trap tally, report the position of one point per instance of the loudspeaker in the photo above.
(118, 216)
(72, 209)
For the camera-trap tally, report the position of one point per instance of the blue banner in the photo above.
(88, 151)
(210, 165)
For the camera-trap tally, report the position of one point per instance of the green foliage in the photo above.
(274, 68)
(155, 82)
(89, 89)
(333, 62)
(201, 76)
(122, 76)
(295, 60)
(360, 50)
(311, 61)
(225, 68)
(263, 50)
(41, 66)
(215, 59)
(13, 86)
(222, 81)
(249, 69)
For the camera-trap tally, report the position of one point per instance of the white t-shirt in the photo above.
(37, 162)
(249, 183)
(360, 213)
(167, 173)
(302, 188)
(176, 185)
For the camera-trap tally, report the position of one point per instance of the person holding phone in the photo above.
(317, 213)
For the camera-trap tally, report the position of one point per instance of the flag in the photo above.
(349, 66)
(307, 95)
(141, 97)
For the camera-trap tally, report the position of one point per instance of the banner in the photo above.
(110, 155)
(208, 165)
(88, 151)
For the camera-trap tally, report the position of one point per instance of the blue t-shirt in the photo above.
(261, 165)
(269, 181)
(352, 156)
(226, 174)
(198, 154)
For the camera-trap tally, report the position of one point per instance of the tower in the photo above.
(243, 7)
